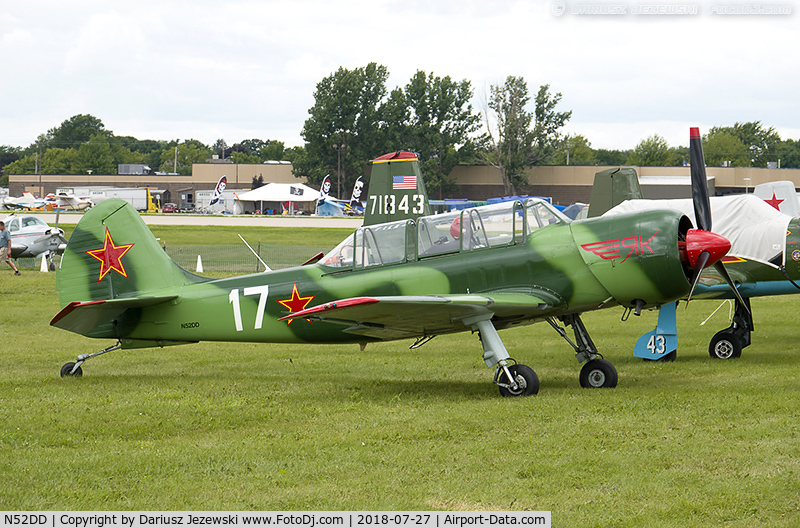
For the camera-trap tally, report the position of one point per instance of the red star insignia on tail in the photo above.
(775, 202)
(110, 257)
(295, 303)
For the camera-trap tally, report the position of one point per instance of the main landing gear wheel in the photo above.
(66, 370)
(598, 373)
(725, 345)
(526, 379)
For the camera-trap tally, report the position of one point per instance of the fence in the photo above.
(231, 259)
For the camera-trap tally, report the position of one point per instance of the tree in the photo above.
(95, 156)
(574, 150)
(721, 146)
(272, 150)
(75, 131)
(759, 142)
(788, 153)
(611, 157)
(651, 152)
(189, 152)
(548, 122)
(343, 130)
(516, 138)
(439, 122)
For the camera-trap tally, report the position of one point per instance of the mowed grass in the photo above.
(213, 426)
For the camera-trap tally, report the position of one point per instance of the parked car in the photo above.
(169, 208)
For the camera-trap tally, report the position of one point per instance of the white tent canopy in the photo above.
(276, 193)
(281, 192)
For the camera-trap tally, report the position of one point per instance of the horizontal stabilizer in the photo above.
(83, 317)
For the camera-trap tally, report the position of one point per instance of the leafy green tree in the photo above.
(517, 138)
(60, 161)
(611, 157)
(272, 150)
(651, 152)
(574, 150)
(759, 142)
(8, 154)
(439, 122)
(95, 156)
(509, 142)
(75, 131)
(721, 146)
(189, 152)
(343, 127)
(547, 124)
(788, 153)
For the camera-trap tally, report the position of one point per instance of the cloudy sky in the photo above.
(181, 69)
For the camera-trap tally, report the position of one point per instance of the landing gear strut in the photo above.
(511, 378)
(728, 343)
(597, 372)
(74, 369)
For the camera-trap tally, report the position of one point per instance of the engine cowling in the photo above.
(640, 258)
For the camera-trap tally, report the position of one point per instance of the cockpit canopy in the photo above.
(502, 224)
(18, 222)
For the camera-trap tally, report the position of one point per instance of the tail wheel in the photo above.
(526, 379)
(725, 345)
(598, 373)
(66, 370)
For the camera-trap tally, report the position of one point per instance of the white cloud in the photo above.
(179, 68)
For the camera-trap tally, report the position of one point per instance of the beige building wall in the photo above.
(566, 184)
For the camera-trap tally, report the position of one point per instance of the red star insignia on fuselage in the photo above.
(295, 303)
(110, 256)
(775, 202)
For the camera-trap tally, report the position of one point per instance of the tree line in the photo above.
(355, 119)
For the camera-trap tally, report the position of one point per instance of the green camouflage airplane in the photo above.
(413, 275)
(764, 258)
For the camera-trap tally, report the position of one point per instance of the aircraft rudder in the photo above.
(111, 254)
(396, 189)
(612, 187)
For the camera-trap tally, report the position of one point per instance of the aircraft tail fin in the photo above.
(113, 255)
(396, 189)
(611, 188)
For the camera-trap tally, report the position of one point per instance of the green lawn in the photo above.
(697, 442)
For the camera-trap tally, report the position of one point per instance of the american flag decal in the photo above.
(404, 183)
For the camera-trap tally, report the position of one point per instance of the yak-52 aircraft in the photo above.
(404, 274)
(764, 258)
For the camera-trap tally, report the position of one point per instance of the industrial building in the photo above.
(565, 184)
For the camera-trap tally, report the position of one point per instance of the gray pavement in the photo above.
(244, 220)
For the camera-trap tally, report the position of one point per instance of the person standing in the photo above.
(5, 247)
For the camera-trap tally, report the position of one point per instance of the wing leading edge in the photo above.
(399, 317)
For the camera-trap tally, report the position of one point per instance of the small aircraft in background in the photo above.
(26, 202)
(405, 274)
(764, 258)
(32, 237)
(67, 201)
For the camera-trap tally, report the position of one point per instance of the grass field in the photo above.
(697, 442)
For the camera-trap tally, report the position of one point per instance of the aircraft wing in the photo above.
(83, 317)
(398, 317)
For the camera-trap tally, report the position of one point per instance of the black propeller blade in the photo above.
(702, 204)
(702, 210)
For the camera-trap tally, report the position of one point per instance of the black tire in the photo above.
(525, 377)
(725, 345)
(66, 370)
(597, 374)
